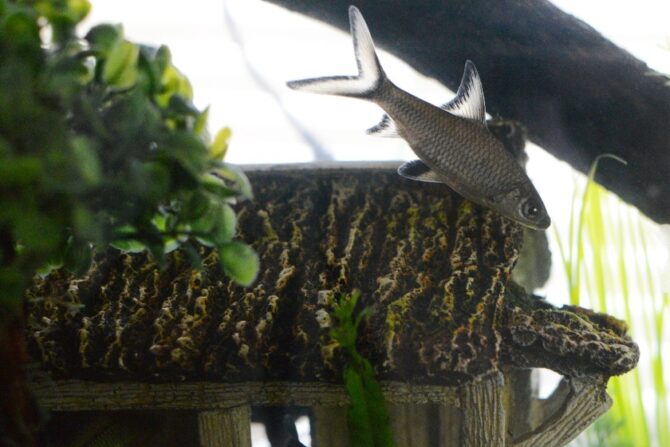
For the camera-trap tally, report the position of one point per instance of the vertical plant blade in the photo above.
(609, 254)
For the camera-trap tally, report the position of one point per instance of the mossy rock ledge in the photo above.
(432, 267)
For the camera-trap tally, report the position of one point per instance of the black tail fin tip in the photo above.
(370, 74)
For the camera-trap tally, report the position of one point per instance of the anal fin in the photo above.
(419, 171)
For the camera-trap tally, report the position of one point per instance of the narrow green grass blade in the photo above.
(358, 418)
(602, 255)
(367, 417)
(658, 305)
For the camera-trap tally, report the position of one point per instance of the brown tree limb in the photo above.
(578, 94)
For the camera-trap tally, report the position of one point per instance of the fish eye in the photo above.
(530, 209)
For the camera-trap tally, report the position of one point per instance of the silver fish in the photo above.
(452, 143)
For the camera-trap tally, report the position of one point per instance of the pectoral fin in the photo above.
(419, 171)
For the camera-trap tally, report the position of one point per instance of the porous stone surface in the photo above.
(571, 340)
(431, 267)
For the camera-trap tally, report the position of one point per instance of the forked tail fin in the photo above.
(370, 74)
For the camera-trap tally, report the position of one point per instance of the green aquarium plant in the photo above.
(100, 144)
(367, 417)
(608, 265)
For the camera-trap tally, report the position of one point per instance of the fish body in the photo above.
(452, 142)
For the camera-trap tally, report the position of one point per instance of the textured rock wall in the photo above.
(431, 265)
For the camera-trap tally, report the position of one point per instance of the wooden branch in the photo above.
(578, 94)
(414, 425)
(449, 423)
(76, 395)
(573, 407)
(483, 412)
(225, 428)
(331, 428)
(520, 393)
(474, 414)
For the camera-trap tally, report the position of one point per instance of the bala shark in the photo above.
(453, 143)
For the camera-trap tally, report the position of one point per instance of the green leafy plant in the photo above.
(367, 417)
(608, 266)
(101, 144)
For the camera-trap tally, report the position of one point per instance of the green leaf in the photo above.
(240, 262)
(225, 229)
(217, 225)
(47, 268)
(189, 151)
(20, 171)
(121, 66)
(157, 251)
(163, 59)
(125, 240)
(128, 245)
(160, 222)
(72, 11)
(235, 179)
(20, 29)
(34, 229)
(149, 71)
(151, 180)
(200, 124)
(103, 38)
(192, 255)
(171, 244)
(220, 144)
(78, 256)
(67, 75)
(174, 83)
(86, 160)
(78, 9)
(154, 241)
(182, 106)
(204, 214)
(54, 262)
(195, 210)
(102, 144)
(85, 225)
(216, 186)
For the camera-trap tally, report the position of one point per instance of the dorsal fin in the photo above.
(468, 103)
(469, 100)
(419, 171)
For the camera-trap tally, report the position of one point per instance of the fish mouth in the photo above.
(546, 222)
(541, 225)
